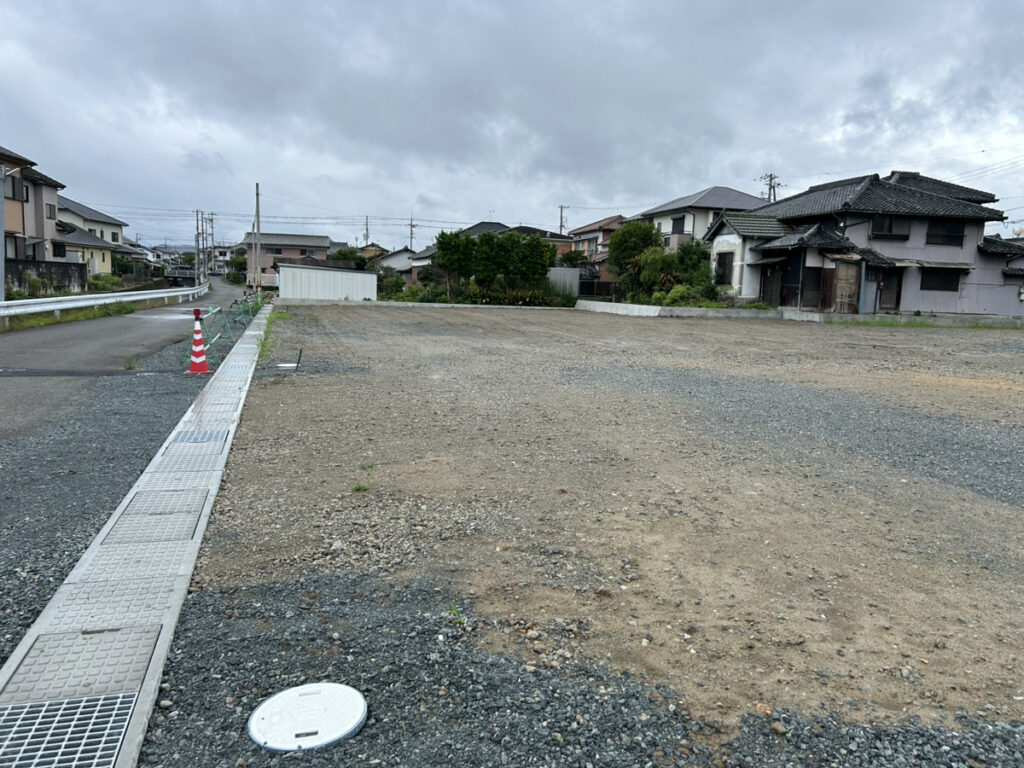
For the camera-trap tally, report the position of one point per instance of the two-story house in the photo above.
(591, 240)
(905, 242)
(274, 246)
(107, 234)
(688, 218)
(41, 215)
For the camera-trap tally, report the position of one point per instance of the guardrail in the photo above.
(57, 303)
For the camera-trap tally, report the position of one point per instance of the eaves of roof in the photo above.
(611, 222)
(11, 157)
(87, 213)
(915, 180)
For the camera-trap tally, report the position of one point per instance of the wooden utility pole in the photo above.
(561, 219)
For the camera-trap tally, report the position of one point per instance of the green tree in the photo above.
(536, 258)
(348, 253)
(188, 258)
(489, 259)
(455, 256)
(624, 249)
(658, 269)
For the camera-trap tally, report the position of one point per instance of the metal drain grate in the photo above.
(74, 733)
(201, 436)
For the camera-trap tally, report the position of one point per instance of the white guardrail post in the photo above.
(57, 303)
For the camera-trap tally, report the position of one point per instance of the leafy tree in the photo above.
(348, 253)
(455, 256)
(188, 258)
(536, 258)
(624, 249)
(658, 269)
(491, 259)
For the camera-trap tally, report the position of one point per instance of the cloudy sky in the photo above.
(455, 111)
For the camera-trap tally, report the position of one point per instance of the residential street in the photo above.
(92, 348)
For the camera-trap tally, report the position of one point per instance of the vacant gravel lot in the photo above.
(718, 524)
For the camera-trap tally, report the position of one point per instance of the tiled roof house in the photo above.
(905, 242)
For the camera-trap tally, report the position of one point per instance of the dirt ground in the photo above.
(562, 475)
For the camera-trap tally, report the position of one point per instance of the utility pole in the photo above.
(259, 267)
(561, 219)
(773, 183)
(195, 259)
(366, 232)
(213, 242)
(411, 228)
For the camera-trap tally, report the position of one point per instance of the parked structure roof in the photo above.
(713, 197)
(90, 214)
(871, 195)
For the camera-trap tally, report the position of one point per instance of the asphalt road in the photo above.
(33, 391)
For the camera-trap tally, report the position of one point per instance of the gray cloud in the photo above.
(453, 108)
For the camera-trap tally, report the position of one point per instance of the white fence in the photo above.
(57, 303)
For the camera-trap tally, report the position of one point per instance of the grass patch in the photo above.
(360, 487)
(39, 319)
(266, 345)
(130, 363)
(366, 466)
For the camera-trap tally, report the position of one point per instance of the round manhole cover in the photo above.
(307, 717)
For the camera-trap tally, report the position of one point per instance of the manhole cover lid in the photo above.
(307, 717)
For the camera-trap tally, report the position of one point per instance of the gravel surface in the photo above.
(672, 543)
(435, 698)
(61, 483)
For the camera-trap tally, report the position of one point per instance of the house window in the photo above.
(305, 252)
(945, 232)
(15, 189)
(114, 237)
(60, 251)
(883, 225)
(272, 251)
(657, 226)
(30, 251)
(940, 279)
(723, 268)
(92, 231)
(51, 211)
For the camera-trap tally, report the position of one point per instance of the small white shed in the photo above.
(316, 282)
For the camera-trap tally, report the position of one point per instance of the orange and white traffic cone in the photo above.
(198, 360)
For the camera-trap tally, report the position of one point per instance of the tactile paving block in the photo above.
(136, 529)
(203, 462)
(201, 436)
(95, 605)
(158, 559)
(74, 733)
(72, 665)
(167, 502)
(176, 481)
